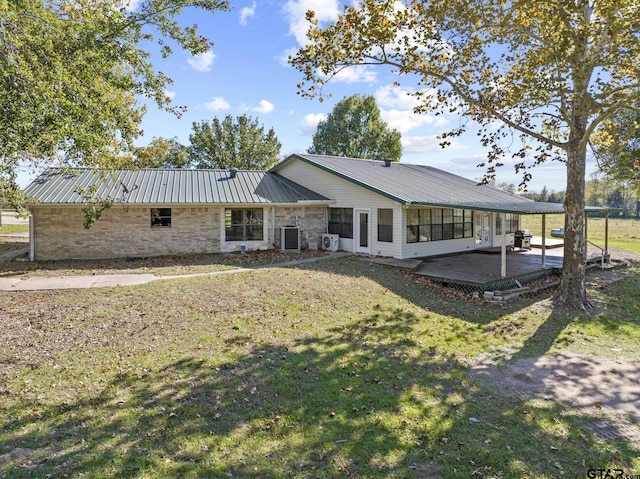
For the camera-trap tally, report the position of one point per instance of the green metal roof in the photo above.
(422, 185)
(169, 186)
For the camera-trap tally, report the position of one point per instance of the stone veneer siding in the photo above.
(123, 232)
(312, 221)
(127, 232)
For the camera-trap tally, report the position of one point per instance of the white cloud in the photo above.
(392, 96)
(283, 59)
(309, 123)
(202, 62)
(423, 144)
(401, 103)
(406, 120)
(296, 10)
(355, 74)
(246, 13)
(217, 103)
(130, 5)
(265, 107)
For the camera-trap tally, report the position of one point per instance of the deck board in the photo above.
(485, 267)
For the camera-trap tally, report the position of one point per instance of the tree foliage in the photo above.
(354, 129)
(618, 148)
(545, 73)
(161, 153)
(72, 71)
(233, 142)
(606, 190)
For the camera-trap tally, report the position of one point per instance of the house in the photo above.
(405, 210)
(167, 211)
(366, 206)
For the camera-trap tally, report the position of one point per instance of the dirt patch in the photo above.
(606, 388)
(18, 454)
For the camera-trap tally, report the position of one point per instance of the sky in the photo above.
(246, 73)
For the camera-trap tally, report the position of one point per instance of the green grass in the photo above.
(624, 234)
(335, 369)
(14, 228)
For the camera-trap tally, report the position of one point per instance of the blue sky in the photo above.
(246, 73)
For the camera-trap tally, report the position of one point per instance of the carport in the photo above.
(544, 209)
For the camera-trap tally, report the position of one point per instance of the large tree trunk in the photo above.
(572, 289)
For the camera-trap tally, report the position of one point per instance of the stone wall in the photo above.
(125, 231)
(312, 221)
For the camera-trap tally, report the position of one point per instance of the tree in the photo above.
(354, 128)
(545, 73)
(71, 73)
(161, 153)
(618, 149)
(238, 142)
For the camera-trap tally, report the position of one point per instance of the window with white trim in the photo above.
(244, 224)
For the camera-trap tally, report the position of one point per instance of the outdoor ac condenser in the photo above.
(330, 242)
(289, 238)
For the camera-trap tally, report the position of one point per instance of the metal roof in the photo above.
(168, 186)
(422, 185)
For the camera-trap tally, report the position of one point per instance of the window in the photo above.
(243, 225)
(462, 223)
(385, 225)
(341, 222)
(511, 222)
(161, 217)
(418, 225)
(438, 224)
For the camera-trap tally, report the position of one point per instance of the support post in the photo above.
(544, 240)
(586, 237)
(503, 252)
(606, 233)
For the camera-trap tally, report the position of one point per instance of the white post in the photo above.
(544, 239)
(503, 253)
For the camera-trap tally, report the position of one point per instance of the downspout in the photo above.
(273, 226)
(326, 219)
(32, 238)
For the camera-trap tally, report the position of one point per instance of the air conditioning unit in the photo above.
(289, 238)
(330, 242)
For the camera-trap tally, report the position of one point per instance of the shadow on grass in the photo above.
(492, 318)
(366, 399)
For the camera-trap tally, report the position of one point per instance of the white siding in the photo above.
(348, 195)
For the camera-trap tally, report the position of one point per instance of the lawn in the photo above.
(340, 368)
(13, 228)
(623, 233)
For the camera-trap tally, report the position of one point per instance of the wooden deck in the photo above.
(481, 270)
